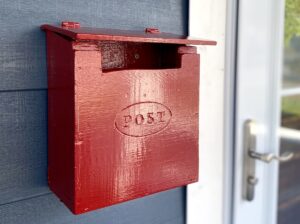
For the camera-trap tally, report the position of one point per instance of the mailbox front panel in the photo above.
(136, 131)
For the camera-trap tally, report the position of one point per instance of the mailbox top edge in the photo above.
(102, 34)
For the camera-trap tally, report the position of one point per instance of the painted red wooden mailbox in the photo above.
(123, 114)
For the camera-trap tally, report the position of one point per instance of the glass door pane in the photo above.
(289, 173)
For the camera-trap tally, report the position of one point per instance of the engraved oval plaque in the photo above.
(142, 119)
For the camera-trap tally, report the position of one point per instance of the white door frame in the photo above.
(251, 75)
(210, 200)
(259, 71)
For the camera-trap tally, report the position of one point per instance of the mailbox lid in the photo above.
(101, 34)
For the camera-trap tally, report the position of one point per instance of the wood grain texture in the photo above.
(139, 36)
(22, 49)
(92, 164)
(162, 208)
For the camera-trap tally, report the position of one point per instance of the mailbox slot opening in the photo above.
(117, 55)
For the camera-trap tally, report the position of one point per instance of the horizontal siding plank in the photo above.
(162, 208)
(23, 144)
(22, 49)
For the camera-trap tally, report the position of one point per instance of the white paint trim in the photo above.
(259, 69)
(229, 107)
(290, 91)
(274, 109)
(206, 199)
(290, 134)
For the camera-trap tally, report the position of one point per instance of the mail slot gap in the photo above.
(130, 55)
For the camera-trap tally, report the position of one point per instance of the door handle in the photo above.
(269, 157)
(251, 156)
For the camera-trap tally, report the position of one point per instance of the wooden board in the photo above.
(23, 144)
(162, 208)
(139, 36)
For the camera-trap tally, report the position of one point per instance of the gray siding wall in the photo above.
(24, 194)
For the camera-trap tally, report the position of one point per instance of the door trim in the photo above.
(260, 29)
(197, 208)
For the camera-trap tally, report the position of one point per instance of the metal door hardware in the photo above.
(251, 156)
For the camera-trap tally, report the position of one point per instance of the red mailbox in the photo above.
(122, 113)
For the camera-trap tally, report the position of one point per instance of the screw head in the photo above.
(70, 24)
(152, 30)
(252, 180)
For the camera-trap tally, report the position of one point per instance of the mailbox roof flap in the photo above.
(88, 33)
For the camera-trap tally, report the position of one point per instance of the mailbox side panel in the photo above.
(60, 63)
(136, 130)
